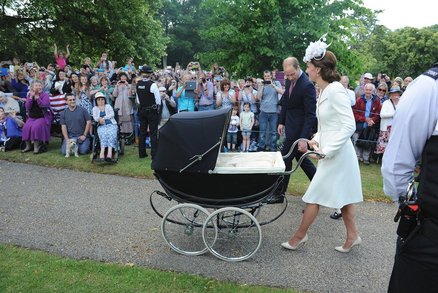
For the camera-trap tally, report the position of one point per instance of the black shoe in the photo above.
(143, 156)
(336, 216)
(276, 198)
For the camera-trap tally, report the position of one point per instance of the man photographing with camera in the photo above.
(267, 95)
(186, 95)
(149, 100)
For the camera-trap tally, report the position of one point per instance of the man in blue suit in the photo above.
(297, 119)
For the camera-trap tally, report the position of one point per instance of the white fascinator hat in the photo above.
(316, 50)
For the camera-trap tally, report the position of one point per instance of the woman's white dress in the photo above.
(337, 180)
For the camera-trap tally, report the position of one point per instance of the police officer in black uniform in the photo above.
(414, 136)
(149, 101)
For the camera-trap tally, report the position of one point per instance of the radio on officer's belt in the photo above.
(407, 212)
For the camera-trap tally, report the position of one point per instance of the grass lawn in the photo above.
(130, 165)
(23, 270)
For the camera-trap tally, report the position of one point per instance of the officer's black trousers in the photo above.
(147, 118)
(415, 266)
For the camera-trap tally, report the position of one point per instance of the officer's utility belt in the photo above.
(413, 220)
(151, 108)
(409, 216)
(408, 213)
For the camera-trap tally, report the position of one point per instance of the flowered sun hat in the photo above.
(316, 50)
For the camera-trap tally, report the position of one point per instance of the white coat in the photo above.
(337, 180)
(386, 114)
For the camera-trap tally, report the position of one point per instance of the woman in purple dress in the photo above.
(36, 130)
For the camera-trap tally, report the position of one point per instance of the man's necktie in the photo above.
(291, 87)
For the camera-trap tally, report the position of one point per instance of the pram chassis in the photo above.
(230, 231)
(219, 195)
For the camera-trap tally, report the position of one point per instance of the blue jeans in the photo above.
(232, 137)
(83, 146)
(205, 107)
(268, 130)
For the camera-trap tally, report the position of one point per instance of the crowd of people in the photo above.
(37, 95)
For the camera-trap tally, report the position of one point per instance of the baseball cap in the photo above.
(368, 75)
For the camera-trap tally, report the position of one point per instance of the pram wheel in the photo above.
(232, 234)
(182, 228)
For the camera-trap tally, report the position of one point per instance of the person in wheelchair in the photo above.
(103, 115)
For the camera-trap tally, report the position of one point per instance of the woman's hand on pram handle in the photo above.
(314, 145)
(316, 153)
(311, 144)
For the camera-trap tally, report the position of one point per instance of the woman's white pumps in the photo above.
(290, 247)
(346, 250)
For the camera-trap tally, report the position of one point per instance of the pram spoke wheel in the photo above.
(232, 234)
(182, 228)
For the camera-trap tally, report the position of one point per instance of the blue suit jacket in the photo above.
(298, 111)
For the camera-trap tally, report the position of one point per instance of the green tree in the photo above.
(182, 21)
(248, 36)
(411, 51)
(403, 52)
(90, 27)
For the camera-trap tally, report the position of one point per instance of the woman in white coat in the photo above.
(337, 182)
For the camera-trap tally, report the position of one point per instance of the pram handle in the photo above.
(305, 155)
(315, 148)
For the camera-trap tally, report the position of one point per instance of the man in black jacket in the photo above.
(297, 118)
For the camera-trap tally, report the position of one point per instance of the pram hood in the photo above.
(190, 134)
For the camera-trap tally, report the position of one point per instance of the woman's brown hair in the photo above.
(328, 67)
(225, 82)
